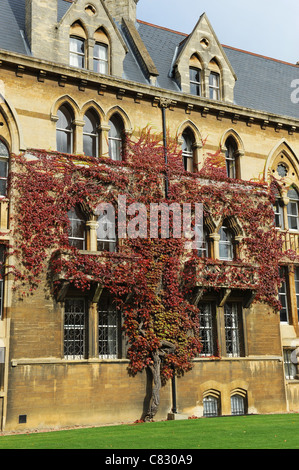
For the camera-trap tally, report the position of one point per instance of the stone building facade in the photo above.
(66, 65)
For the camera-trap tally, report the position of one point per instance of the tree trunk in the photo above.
(155, 399)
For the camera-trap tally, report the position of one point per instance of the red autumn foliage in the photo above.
(150, 278)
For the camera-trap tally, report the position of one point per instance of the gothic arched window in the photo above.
(77, 228)
(195, 76)
(64, 130)
(91, 134)
(115, 137)
(214, 81)
(77, 45)
(231, 157)
(4, 160)
(226, 251)
(187, 150)
(238, 404)
(101, 52)
(292, 209)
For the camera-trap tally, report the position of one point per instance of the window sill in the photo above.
(57, 361)
(239, 358)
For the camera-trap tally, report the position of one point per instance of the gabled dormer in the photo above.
(85, 37)
(202, 67)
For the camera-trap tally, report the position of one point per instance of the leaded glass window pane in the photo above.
(210, 406)
(207, 329)
(109, 327)
(3, 150)
(284, 316)
(74, 328)
(282, 170)
(237, 405)
(232, 330)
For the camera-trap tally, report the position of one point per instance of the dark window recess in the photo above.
(22, 419)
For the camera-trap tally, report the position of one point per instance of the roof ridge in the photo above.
(223, 45)
(260, 55)
(162, 27)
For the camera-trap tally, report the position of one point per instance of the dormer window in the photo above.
(214, 86)
(214, 81)
(195, 76)
(101, 52)
(77, 53)
(195, 83)
(77, 46)
(100, 58)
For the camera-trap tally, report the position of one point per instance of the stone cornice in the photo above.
(64, 73)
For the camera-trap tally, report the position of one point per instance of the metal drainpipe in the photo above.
(163, 107)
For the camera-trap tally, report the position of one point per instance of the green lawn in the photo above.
(239, 432)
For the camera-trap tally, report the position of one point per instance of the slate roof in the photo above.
(263, 84)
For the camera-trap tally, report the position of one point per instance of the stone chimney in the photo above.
(119, 9)
(40, 21)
